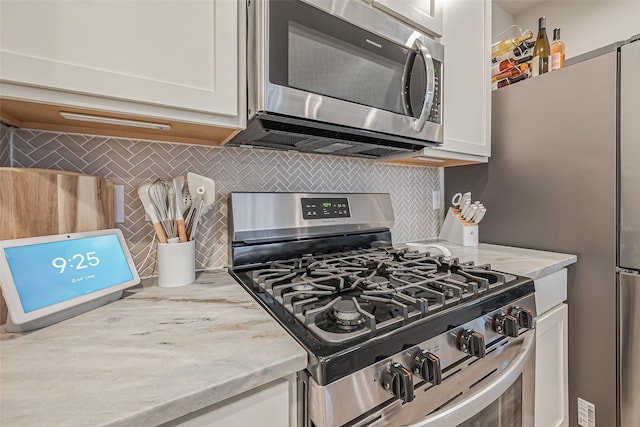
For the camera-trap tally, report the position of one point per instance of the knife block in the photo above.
(457, 230)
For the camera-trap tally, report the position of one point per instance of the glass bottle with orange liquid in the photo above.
(557, 50)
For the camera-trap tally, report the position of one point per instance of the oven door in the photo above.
(502, 399)
(349, 64)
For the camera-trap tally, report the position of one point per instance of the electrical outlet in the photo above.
(436, 200)
(118, 204)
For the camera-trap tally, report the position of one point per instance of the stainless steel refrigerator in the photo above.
(564, 175)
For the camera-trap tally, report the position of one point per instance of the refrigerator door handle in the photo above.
(629, 368)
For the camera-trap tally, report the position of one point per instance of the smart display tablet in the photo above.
(51, 278)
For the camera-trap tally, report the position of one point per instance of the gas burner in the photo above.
(345, 310)
(378, 280)
(302, 287)
(343, 317)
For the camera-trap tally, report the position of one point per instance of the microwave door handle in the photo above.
(428, 93)
(406, 81)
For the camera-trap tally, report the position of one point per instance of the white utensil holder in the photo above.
(457, 230)
(176, 264)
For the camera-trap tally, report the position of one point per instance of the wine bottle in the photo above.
(541, 50)
(509, 68)
(557, 50)
(507, 46)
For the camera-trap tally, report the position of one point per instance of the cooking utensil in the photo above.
(202, 190)
(459, 200)
(160, 195)
(143, 193)
(179, 209)
(425, 247)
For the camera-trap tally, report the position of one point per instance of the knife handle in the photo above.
(480, 215)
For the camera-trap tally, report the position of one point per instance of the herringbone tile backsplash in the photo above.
(4, 145)
(131, 162)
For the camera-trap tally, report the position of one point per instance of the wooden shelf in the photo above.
(436, 163)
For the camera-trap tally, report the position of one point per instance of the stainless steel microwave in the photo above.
(340, 77)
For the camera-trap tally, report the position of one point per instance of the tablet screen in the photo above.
(48, 273)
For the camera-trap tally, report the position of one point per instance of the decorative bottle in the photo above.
(541, 50)
(557, 50)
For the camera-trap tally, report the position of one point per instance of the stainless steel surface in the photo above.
(322, 111)
(279, 216)
(364, 16)
(333, 404)
(629, 349)
(613, 47)
(531, 187)
(630, 156)
(518, 363)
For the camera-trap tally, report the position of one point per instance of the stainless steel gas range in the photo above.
(394, 337)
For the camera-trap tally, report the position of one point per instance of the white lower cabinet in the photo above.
(552, 392)
(265, 406)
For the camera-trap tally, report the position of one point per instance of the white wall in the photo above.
(585, 24)
(501, 21)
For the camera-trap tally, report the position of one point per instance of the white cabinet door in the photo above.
(552, 391)
(466, 87)
(266, 406)
(159, 53)
(425, 15)
(466, 82)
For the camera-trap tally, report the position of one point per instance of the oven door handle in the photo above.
(418, 48)
(460, 411)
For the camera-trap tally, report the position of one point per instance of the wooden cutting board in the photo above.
(40, 202)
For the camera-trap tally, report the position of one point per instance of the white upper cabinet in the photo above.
(425, 15)
(167, 59)
(467, 79)
(466, 86)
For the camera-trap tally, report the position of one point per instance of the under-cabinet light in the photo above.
(429, 159)
(114, 121)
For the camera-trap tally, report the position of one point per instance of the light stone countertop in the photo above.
(524, 262)
(153, 356)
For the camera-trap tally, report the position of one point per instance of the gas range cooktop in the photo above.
(323, 266)
(363, 293)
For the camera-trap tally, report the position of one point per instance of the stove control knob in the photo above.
(524, 316)
(506, 324)
(426, 365)
(399, 382)
(471, 342)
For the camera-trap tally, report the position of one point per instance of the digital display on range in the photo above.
(325, 208)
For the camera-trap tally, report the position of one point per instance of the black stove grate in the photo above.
(386, 287)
